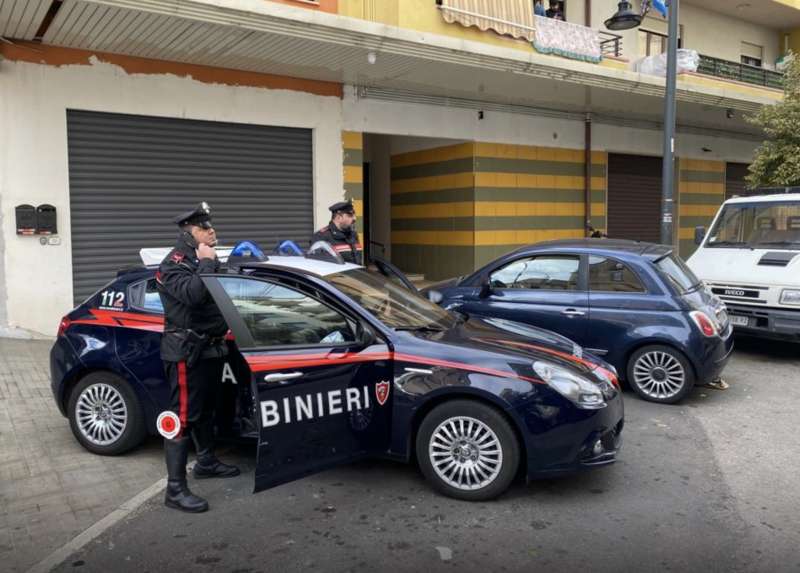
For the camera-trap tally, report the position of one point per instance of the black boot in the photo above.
(208, 466)
(178, 495)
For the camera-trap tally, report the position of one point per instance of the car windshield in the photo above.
(677, 273)
(390, 302)
(773, 225)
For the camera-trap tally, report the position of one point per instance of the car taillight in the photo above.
(705, 324)
(62, 326)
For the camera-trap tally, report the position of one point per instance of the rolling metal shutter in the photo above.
(634, 197)
(130, 175)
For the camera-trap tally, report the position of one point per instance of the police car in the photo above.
(331, 362)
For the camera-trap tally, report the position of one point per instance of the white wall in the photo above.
(424, 125)
(33, 158)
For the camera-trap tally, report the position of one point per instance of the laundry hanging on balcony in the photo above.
(506, 17)
(566, 39)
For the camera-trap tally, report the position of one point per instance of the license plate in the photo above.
(739, 320)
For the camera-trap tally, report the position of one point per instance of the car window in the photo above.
(676, 271)
(391, 303)
(608, 275)
(550, 272)
(144, 295)
(277, 315)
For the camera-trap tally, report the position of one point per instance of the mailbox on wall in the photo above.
(26, 219)
(46, 220)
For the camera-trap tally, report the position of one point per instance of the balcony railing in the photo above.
(516, 19)
(610, 44)
(740, 72)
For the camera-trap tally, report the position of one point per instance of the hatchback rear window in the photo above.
(677, 273)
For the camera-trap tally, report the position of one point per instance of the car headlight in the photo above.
(789, 296)
(582, 392)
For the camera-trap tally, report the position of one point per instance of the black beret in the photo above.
(343, 206)
(200, 216)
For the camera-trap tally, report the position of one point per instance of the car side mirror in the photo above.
(486, 288)
(435, 296)
(699, 234)
(365, 336)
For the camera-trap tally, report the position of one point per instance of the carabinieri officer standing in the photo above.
(192, 348)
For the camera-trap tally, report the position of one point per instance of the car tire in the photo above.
(455, 449)
(105, 415)
(661, 374)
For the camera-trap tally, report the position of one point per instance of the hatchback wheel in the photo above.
(105, 415)
(660, 374)
(467, 450)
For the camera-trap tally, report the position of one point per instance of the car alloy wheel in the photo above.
(101, 414)
(659, 375)
(467, 449)
(465, 453)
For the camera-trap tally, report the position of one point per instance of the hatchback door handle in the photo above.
(282, 376)
(572, 312)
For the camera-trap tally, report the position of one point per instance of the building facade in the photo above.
(461, 129)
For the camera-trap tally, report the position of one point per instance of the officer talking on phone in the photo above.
(192, 348)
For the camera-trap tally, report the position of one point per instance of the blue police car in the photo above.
(331, 363)
(635, 304)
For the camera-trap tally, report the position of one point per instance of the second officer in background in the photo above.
(341, 233)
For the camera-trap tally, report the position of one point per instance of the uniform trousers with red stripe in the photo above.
(194, 391)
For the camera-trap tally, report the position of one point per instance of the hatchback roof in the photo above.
(648, 250)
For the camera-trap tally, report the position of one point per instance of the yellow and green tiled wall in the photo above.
(353, 160)
(701, 188)
(455, 208)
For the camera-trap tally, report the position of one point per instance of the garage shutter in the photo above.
(634, 197)
(130, 175)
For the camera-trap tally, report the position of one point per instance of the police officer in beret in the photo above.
(341, 232)
(192, 348)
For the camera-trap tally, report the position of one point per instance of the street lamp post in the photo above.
(625, 19)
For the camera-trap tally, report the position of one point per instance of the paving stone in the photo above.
(51, 489)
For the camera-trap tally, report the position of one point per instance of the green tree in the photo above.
(777, 160)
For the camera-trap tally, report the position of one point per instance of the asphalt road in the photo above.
(711, 484)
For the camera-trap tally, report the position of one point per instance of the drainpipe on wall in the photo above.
(587, 175)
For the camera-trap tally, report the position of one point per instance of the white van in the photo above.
(750, 258)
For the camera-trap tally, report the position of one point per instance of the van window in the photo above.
(772, 225)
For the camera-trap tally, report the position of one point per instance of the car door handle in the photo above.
(572, 312)
(282, 376)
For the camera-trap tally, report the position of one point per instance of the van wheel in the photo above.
(660, 374)
(467, 450)
(105, 415)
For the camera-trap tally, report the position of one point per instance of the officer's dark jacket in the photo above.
(344, 242)
(187, 303)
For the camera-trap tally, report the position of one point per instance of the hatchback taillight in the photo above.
(62, 326)
(704, 323)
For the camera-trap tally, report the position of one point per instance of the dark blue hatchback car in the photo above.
(330, 363)
(635, 304)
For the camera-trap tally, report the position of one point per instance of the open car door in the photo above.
(394, 274)
(321, 379)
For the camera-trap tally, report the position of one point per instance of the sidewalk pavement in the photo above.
(51, 489)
